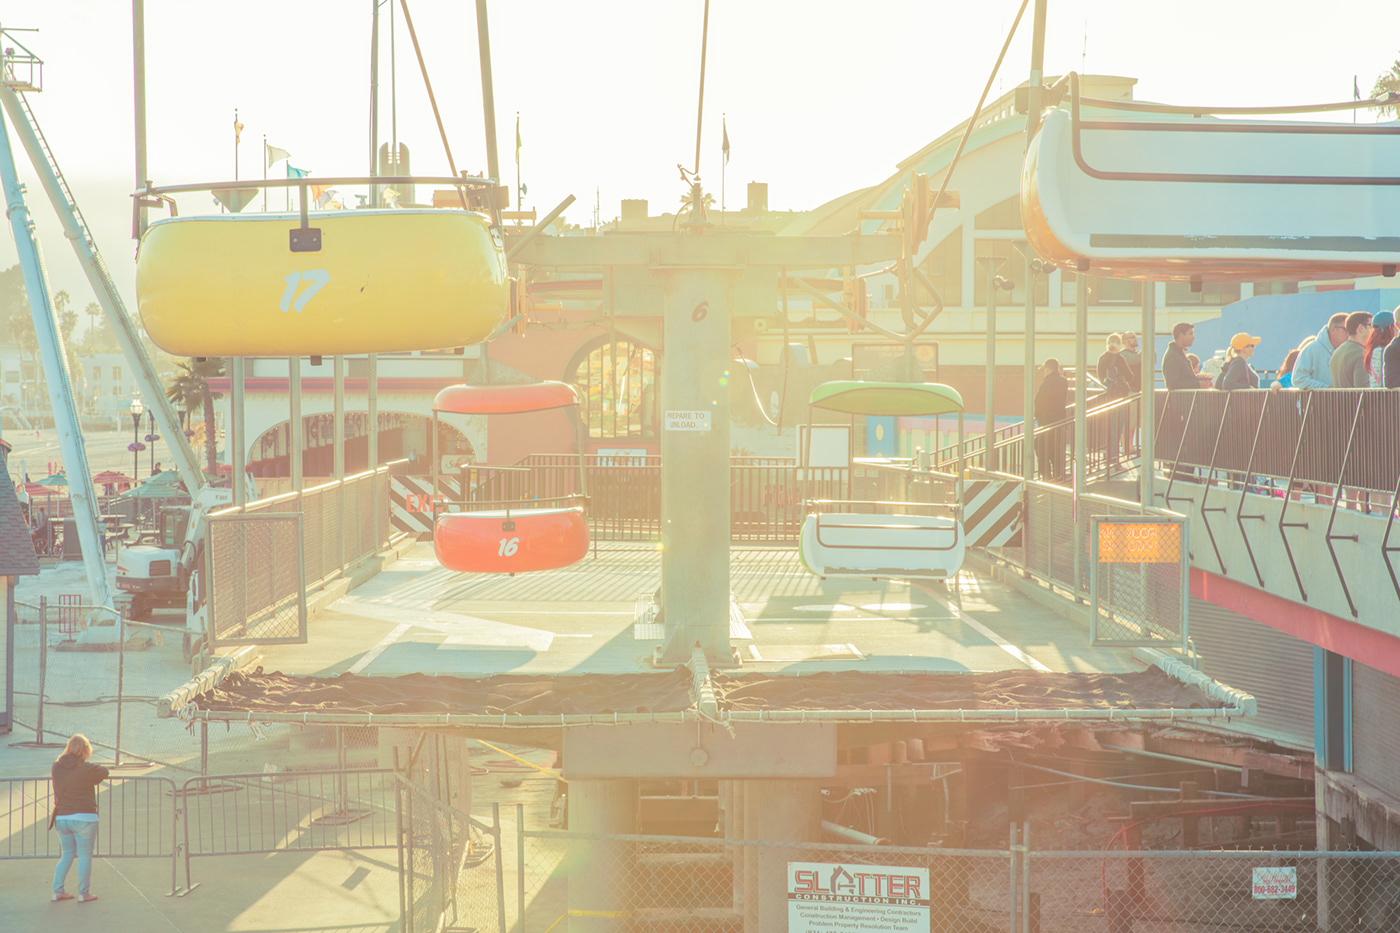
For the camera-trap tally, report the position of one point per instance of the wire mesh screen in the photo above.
(588, 883)
(256, 571)
(1203, 892)
(450, 877)
(1138, 580)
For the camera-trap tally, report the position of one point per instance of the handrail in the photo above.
(1078, 125)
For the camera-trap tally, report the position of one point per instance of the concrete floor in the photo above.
(417, 617)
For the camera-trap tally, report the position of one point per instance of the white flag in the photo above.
(275, 155)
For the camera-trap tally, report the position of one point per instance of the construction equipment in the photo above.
(203, 496)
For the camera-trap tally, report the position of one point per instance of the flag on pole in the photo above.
(294, 172)
(237, 129)
(725, 124)
(274, 155)
(1355, 88)
(517, 139)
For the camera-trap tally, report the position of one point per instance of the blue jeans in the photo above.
(77, 838)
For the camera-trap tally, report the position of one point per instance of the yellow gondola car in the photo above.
(382, 281)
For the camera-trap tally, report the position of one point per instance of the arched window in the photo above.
(618, 386)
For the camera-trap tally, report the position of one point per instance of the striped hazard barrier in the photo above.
(411, 501)
(992, 513)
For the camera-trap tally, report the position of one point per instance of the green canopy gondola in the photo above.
(856, 539)
(854, 397)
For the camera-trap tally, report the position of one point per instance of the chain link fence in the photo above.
(612, 883)
(256, 593)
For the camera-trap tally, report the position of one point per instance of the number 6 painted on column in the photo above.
(318, 279)
(508, 547)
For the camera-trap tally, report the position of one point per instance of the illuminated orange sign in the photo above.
(1139, 543)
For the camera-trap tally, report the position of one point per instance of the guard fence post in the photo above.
(500, 868)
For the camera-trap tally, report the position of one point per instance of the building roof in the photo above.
(16, 550)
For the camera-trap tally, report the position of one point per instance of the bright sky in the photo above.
(821, 97)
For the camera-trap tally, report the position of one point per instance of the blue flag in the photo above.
(296, 172)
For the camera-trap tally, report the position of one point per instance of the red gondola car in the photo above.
(518, 536)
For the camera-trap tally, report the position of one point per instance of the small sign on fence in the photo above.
(823, 897)
(687, 421)
(1272, 884)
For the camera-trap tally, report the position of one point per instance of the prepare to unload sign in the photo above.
(687, 421)
(1275, 883)
(837, 898)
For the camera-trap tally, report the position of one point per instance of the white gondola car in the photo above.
(880, 545)
(1170, 194)
(857, 539)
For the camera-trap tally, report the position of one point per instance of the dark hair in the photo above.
(1337, 320)
(1380, 339)
(1181, 328)
(1289, 360)
(1195, 361)
(1357, 320)
(1051, 365)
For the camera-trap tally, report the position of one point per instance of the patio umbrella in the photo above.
(54, 479)
(112, 478)
(35, 489)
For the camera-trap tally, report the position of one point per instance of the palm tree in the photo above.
(190, 390)
(1388, 83)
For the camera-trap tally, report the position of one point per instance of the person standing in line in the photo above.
(1132, 358)
(1391, 363)
(1348, 360)
(1383, 331)
(1051, 400)
(1313, 369)
(1237, 373)
(1176, 367)
(1290, 362)
(75, 781)
(1112, 372)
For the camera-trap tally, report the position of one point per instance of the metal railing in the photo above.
(342, 524)
(136, 819)
(299, 811)
(1348, 438)
(624, 493)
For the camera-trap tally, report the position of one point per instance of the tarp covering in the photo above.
(670, 691)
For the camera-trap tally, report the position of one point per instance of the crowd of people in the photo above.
(1352, 351)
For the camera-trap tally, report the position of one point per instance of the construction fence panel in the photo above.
(450, 865)
(136, 819)
(256, 568)
(1138, 568)
(280, 811)
(588, 882)
(1210, 891)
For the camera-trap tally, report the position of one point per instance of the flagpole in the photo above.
(519, 201)
(723, 164)
(264, 162)
(235, 143)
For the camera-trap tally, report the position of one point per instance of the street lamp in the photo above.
(137, 410)
(152, 437)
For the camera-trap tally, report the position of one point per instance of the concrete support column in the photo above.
(237, 439)
(602, 873)
(1147, 379)
(731, 795)
(338, 427)
(775, 811)
(695, 456)
(296, 442)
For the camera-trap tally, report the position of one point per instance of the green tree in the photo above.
(189, 390)
(1388, 83)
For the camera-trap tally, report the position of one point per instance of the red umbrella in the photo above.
(36, 489)
(111, 478)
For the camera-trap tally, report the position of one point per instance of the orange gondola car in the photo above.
(515, 536)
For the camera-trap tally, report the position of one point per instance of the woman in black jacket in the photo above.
(75, 782)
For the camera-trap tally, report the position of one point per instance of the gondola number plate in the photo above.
(687, 421)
